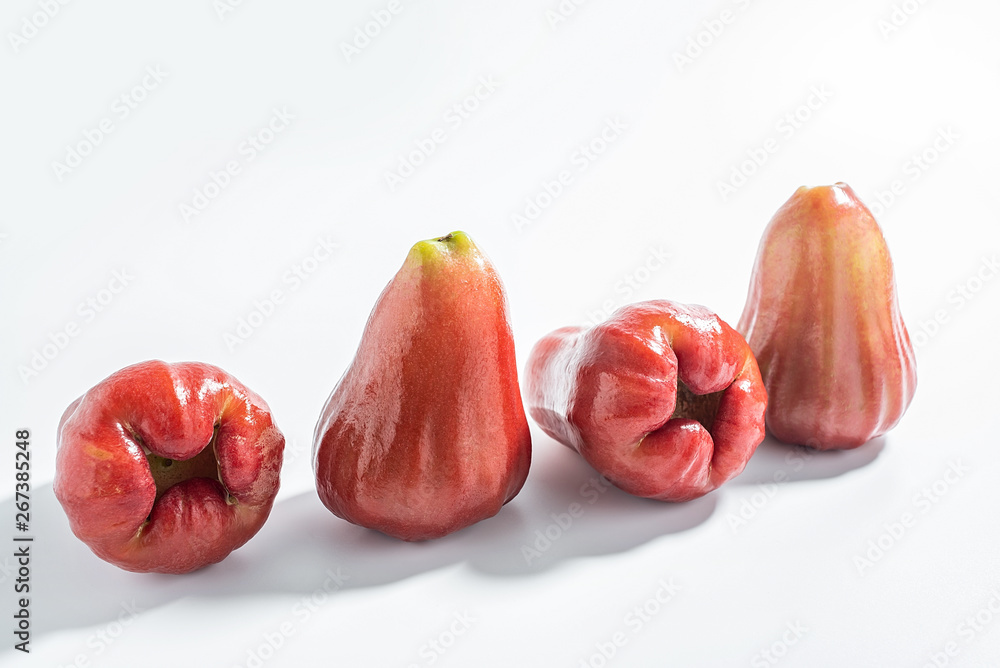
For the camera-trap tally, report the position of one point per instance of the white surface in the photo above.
(655, 189)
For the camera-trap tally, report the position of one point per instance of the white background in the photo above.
(750, 561)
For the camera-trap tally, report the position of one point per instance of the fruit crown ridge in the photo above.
(438, 248)
(841, 193)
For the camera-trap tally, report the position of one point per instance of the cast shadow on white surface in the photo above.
(563, 513)
(777, 462)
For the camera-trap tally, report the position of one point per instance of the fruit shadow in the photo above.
(564, 512)
(777, 462)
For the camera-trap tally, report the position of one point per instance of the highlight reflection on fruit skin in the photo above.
(822, 317)
(167, 467)
(664, 399)
(425, 433)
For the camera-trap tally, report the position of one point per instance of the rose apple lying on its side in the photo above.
(425, 433)
(664, 399)
(167, 467)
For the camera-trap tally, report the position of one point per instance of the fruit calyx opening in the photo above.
(700, 407)
(168, 472)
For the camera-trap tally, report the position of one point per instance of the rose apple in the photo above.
(664, 399)
(167, 467)
(426, 433)
(823, 320)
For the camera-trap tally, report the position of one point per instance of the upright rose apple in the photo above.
(426, 433)
(823, 319)
(664, 399)
(167, 467)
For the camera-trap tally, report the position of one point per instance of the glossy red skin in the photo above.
(103, 478)
(609, 393)
(823, 319)
(425, 433)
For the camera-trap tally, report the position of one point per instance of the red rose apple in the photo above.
(664, 399)
(167, 467)
(425, 433)
(823, 320)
